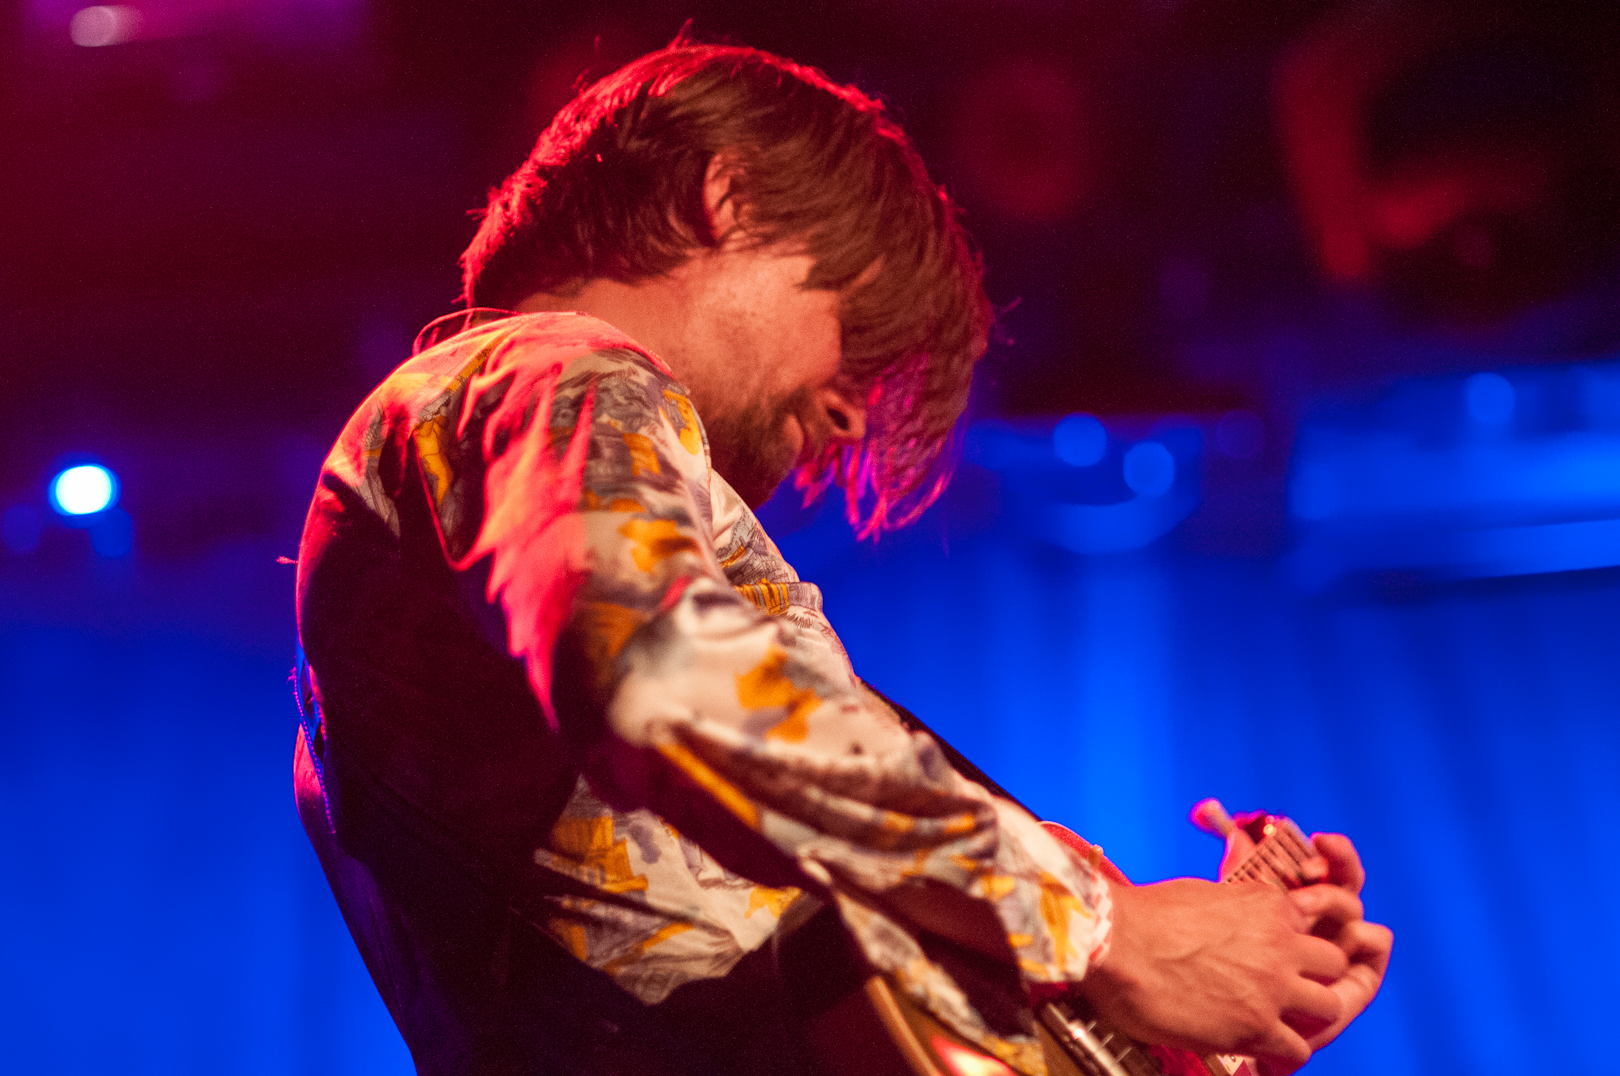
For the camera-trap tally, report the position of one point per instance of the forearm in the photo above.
(845, 795)
(746, 732)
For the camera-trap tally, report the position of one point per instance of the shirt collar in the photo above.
(441, 329)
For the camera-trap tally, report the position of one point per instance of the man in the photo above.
(580, 754)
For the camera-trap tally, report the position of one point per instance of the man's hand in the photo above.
(1336, 873)
(1223, 968)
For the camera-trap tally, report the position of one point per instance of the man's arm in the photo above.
(1334, 908)
(1330, 909)
(1239, 968)
(1226, 968)
(745, 732)
(682, 697)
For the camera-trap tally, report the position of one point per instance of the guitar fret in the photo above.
(1278, 859)
(1098, 1050)
(1258, 866)
(1292, 844)
(1280, 877)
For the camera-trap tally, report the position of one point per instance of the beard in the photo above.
(748, 445)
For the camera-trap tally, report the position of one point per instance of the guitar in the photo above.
(1073, 1038)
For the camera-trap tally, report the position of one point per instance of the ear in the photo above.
(718, 197)
(844, 410)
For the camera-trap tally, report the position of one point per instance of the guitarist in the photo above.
(580, 752)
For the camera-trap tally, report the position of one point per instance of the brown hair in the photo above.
(614, 189)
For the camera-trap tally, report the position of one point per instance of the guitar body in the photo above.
(913, 1043)
(1073, 1039)
(875, 1030)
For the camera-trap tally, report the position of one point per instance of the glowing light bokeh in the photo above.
(106, 24)
(84, 490)
(1080, 440)
(1491, 399)
(1150, 469)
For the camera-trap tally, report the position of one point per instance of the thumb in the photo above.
(1239, 847)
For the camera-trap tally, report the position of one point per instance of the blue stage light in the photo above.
(1491, 399)
(1150, 469)
(84, 490)
(1080, 440)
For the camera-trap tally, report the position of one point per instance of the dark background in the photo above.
(1327, 290)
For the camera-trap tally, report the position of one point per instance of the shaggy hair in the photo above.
(614, 189)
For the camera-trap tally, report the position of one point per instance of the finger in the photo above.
(1344, 862)
(1312, 1003)
(1327, 908)
(1239, 847)
(1313, 1029)
(1356, 990)
(1270, 1066)
(1284, 1049)
(1320, 960)
(1368, 943)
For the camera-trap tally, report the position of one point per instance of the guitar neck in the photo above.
(1075, 1040)
(1091, 1048)
(1279, 855)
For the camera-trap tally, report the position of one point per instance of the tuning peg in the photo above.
(1209, 816)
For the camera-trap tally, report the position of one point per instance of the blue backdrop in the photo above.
(223, 222)
(165, 914)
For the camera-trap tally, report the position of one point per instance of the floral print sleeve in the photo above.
(729, 756)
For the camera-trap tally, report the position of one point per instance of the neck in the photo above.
(652, 312)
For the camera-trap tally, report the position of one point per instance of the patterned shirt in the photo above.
(711, 749)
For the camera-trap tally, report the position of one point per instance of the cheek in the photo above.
(820, 336)
(794, 329)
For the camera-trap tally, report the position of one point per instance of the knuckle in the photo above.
(1266, 897)
(1253, 1025)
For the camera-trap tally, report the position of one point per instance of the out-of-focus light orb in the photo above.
(1490, 399)
(111, 24)
(1080, 440)
(84, 490)
(1150, 469)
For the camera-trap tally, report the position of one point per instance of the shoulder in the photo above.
(560, 356)
(497, 344)
(466, 363)
(576, 353)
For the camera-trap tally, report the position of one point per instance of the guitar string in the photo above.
(1293, 844)
(1282, 843)
(1257, 866)
(1251, 871)
(1297, 851)
(1269, 850)
(1298, 854)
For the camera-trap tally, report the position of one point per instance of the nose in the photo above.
(845, 413)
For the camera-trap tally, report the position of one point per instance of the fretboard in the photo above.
(1278, 858)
